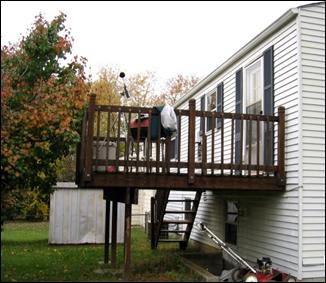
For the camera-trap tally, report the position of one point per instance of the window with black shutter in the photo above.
(215, 102)
(211, 106)
(258, 99)
(253, 105)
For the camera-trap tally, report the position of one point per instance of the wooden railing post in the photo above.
(191, 141)
(80, 154)
(281, 145)
(89, 138)
(204, 156)
(167, 154)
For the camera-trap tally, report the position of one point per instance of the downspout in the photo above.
(300, 151)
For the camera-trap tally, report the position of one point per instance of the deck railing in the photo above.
(234, 148)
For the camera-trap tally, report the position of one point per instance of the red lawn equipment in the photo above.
(144, 125)
(245, 272)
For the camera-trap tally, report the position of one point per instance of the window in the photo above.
(253, 105)
(211, 106)
(213, 101)
(231, 222)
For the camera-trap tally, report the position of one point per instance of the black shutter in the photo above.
(202, 119)
(238, 109)
(219, 102)
(268, 105)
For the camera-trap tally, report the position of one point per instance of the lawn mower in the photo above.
(263, 272)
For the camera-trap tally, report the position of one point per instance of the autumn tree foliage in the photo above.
(176, 87)
(43, 95)
(107, 87)
(141, 89)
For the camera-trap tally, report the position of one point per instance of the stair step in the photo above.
(180, 211)
(174, 231)
(171, 240)
(171, 221)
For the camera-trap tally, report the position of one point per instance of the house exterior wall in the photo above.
(286, 226)
(269, 225)
(178, 195)
(312, 65)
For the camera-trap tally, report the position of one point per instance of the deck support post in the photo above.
(114, 234)
(152, 223)
(127, 234)
(107, 231)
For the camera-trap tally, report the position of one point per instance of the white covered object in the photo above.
(77, 216)
(168, 118)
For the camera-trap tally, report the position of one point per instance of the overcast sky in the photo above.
(164, 37)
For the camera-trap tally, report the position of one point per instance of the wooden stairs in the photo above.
(163, 219)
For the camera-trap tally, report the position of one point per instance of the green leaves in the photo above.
(42, 100)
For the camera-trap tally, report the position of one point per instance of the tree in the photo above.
(43, 96)
(176, 87)
(141, 89)
(107, 87)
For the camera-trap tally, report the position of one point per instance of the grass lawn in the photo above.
(26, 256)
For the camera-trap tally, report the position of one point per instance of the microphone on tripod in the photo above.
(126, 93)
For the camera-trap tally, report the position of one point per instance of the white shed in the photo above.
(77, 216)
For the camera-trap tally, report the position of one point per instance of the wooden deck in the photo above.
(110, 155)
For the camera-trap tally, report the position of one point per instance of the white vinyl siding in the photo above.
(143, 206)
(286, 226)
(312, 22)
(271, 218)
(178, 195)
